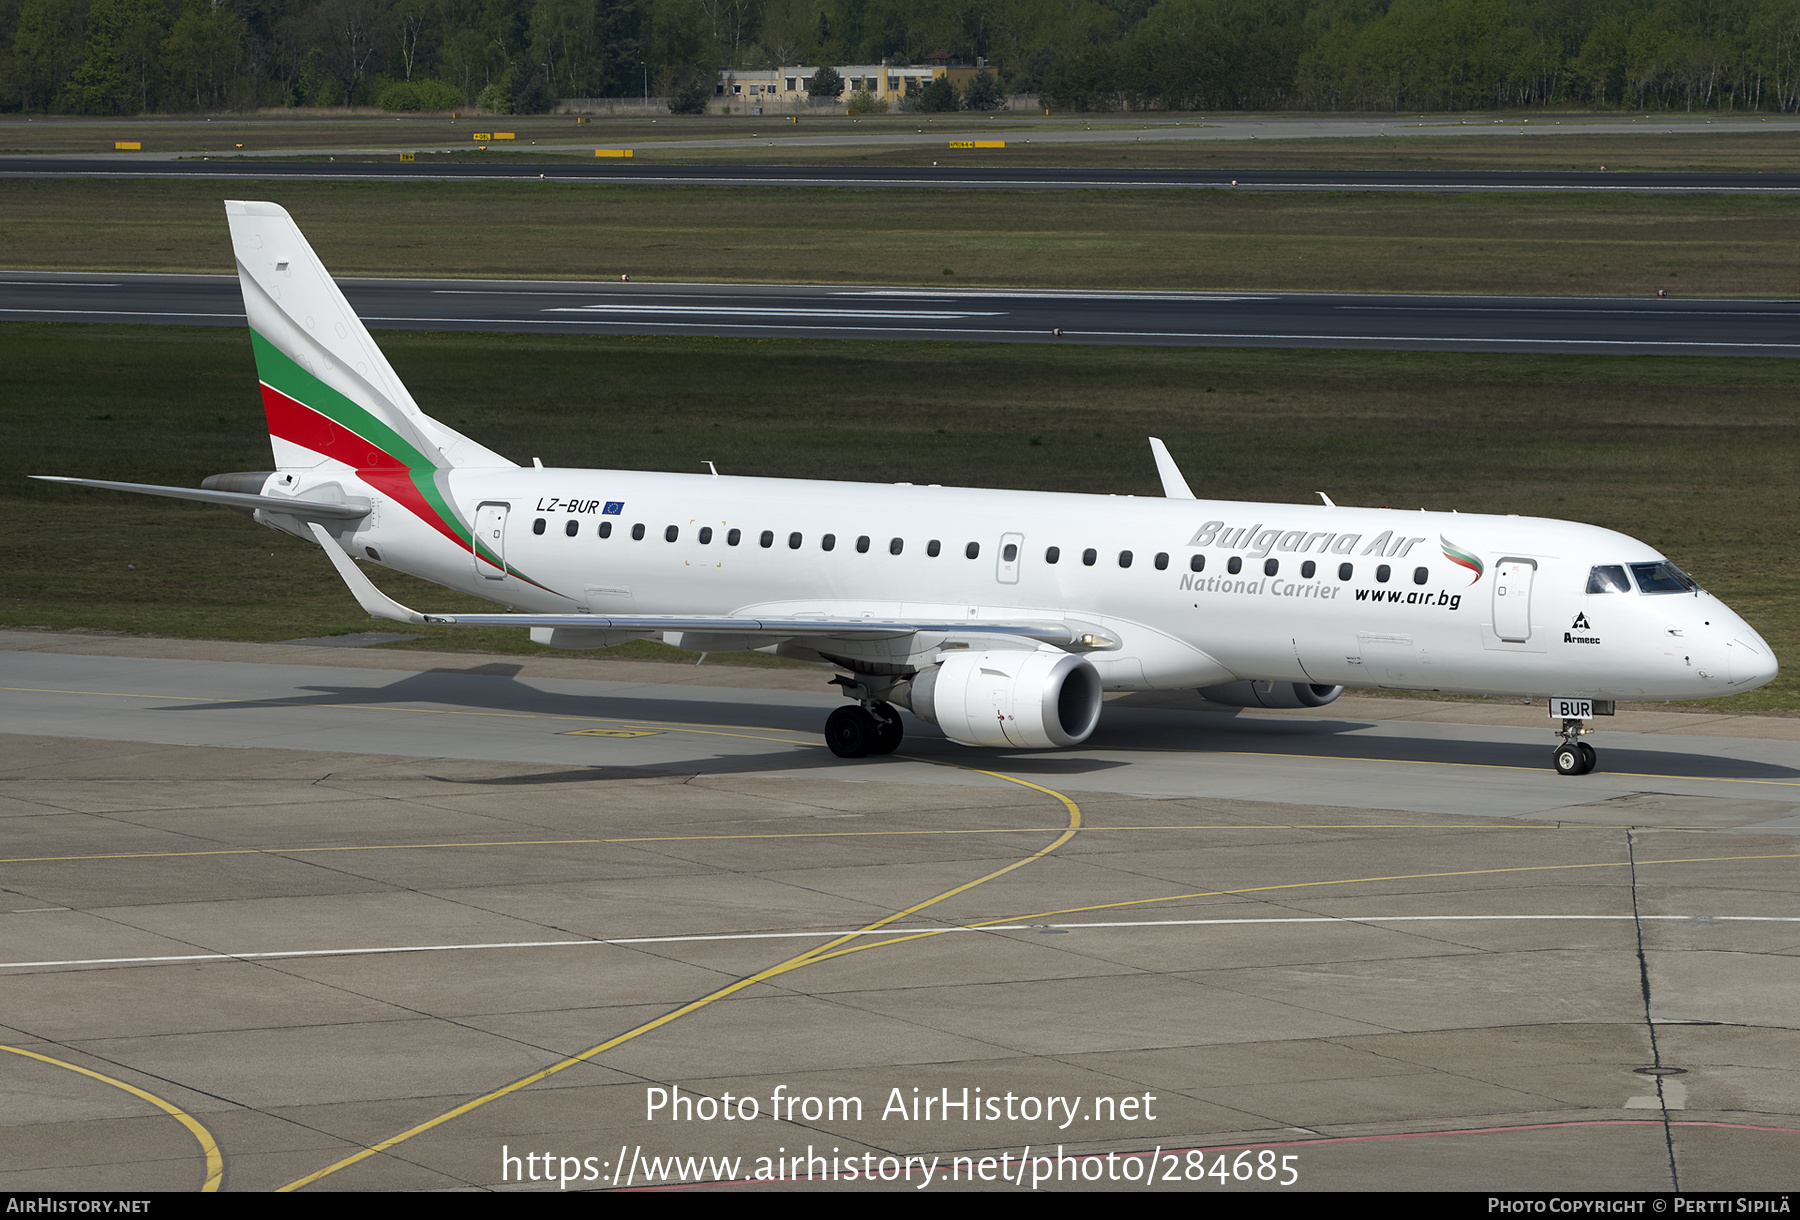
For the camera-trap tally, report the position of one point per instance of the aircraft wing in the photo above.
(1071, 635)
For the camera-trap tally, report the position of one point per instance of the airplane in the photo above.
(1002, 617)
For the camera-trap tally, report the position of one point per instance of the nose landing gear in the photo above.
(1574, 756)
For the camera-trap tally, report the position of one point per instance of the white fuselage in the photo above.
(1322, 595)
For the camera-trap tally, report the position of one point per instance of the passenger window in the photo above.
(1162, 561)
(934, 548)
(1009, 552)
(606, 529)
(572, 527)
(1421, 575)
(1234, 565)
(1271, 566)
(767, 540)
(1196, 563)
(1608, 578)
(1052, 554)
(537, 527)
(1307, 569)
(862, 545)
(794, 541)
(896, 546)
(1088, 556)
(637, 532)
(1124, 559)
(706, 535)
(671, 534)
(972, 551)
(1382, 573)
(1346, 571)
(828, 542)
(734, 537)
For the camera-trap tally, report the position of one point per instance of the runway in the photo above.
(326, 918)
(1614, 325)
(514, 165)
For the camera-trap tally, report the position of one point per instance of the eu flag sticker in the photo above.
(613, 508)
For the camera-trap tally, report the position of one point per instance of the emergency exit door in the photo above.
(1012, 550)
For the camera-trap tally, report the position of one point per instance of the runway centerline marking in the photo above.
(215, 1160)
(793, 963)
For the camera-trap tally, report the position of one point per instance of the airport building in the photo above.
(787, 88)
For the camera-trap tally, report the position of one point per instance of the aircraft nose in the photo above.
(1749, 661)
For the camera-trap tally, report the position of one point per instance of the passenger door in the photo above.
(1512, 599)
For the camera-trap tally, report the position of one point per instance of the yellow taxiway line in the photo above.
(816, 954)
(215, 1160)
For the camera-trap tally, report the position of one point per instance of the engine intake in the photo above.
(1034, 700)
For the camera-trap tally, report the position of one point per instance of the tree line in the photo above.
(132, 56)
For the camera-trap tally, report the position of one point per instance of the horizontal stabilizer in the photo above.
(1073, 636)
(230, 499)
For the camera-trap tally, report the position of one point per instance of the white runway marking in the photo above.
(829, 934)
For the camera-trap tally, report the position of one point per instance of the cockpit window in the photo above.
(1608, 578)
(1662, 577)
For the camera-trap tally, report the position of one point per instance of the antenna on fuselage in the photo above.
(714, 469)
(1326, 498)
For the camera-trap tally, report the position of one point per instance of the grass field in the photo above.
(1602, 245)
(1696, 457)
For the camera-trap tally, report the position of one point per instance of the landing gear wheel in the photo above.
(1574, 758)
(887, 729)
(851, 732)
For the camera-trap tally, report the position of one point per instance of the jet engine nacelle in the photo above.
(1271, 694)
(1035, 700)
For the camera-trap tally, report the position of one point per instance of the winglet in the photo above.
(377, 603)
(1174, 486)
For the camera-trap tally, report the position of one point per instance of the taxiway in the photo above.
(291, 915)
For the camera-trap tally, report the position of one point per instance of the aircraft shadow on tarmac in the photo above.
(1202, 733)
(496, 687)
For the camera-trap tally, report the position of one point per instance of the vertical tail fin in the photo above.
(330, 395)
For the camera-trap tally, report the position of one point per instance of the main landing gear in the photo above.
(1573, 756)
(854, 732)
